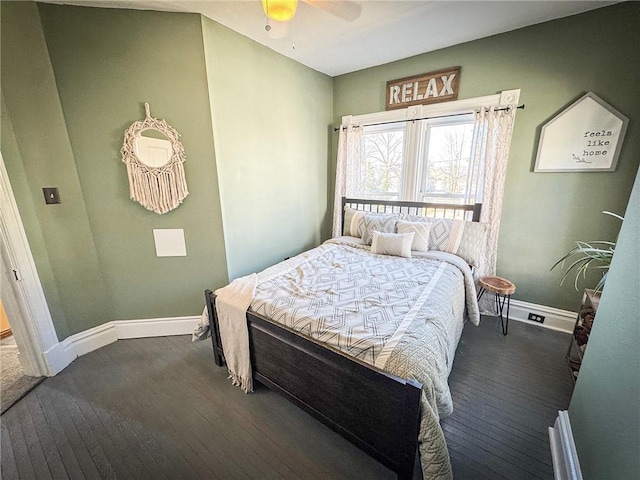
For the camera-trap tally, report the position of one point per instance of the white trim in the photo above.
(156, 327)
(507, 97)
(555, 319)
(563, 449)
(35, 332)
(65, 352)
(62, 354)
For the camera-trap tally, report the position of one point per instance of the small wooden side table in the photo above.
(503, 289)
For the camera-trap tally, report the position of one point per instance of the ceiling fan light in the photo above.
(280, 10)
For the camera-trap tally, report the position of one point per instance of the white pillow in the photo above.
(398, 244)
(421, 234)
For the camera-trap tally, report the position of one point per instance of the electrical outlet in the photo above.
(536, 318)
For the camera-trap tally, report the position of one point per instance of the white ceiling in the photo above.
(384, 31)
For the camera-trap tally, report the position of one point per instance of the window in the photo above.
(447, 172)
(382, 162)
(433, 153)
(425, 160)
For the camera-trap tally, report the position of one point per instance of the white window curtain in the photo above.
(492, 141)
(347, 174)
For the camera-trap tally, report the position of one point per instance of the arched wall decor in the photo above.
(155, 165)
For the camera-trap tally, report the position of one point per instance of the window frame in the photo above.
(425, 127)
(415, 143)
(373, 129)
(415, 117)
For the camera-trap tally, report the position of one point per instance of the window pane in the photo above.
(447, 173)
(383, 157)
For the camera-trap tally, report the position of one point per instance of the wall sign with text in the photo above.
(433, 87)
(585, 137)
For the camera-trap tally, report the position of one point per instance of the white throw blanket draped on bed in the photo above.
(232, 303)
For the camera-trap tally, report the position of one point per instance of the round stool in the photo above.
(503, 289)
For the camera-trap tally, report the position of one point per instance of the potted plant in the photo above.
(586, 256)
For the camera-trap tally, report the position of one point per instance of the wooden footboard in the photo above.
(376, 411)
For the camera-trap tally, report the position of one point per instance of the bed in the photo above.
(370, 390)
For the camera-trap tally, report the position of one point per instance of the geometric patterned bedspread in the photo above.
(402, 315)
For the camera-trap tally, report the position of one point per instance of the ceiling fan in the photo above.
(285, 10)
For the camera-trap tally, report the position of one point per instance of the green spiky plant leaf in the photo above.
(588, 256)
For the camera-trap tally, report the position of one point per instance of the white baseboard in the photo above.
(65, 352)
(563, 449)
(156, 327)
(555, 319)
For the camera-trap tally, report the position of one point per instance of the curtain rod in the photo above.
(336, 129)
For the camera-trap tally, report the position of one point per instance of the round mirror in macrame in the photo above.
(155, 166)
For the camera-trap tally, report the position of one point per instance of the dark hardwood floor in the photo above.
(506, 392)
(159, 408)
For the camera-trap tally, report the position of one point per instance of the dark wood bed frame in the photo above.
(375, 410)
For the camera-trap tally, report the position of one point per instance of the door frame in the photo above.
(33, 328)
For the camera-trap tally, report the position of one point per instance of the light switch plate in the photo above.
(51, 195)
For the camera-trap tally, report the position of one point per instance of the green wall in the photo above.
(553, 64)
(46, 159)
(271, 122)
(75, 78)
(29, 216)
(69, 101)
(107, 63)
(605, 407)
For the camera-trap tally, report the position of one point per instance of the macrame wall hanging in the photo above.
(155, 164)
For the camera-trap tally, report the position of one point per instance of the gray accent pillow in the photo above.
(352, 222)
(416, 218)
(473, 242)
(462, 238)
(375, 221)
(445, 235)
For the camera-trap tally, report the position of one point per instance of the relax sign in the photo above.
(433, 87)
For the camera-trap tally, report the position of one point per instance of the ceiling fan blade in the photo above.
(344, 9)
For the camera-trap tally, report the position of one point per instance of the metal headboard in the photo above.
(440, 210)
